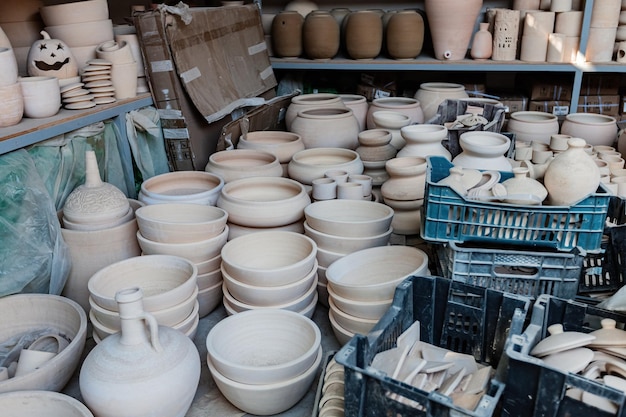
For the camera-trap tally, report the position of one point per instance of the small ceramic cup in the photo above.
(324, 189)
(364, 180)
(621, 185)
(541, 157)
(338, 175)
(349, 191)
(559, 142)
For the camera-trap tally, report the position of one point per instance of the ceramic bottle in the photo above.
(482, 45)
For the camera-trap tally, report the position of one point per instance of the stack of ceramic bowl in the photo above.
(263, 204)
(332, 390)
(81, 25)
(270, 269)
(133, 41)
(169, 284)
(244, 163)
(340, 227)
(361, 286)
(20, 27)
(97, 79)
(264, 361)
(310, 164)
(282, 144)
(122, 67)
(195, 187)
(182, 223)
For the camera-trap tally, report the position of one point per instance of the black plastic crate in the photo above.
(536, 390)
(453, 315)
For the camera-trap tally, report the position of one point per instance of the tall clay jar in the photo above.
(405, 34)
(364, 34)
(287, 34)
(451, 24)
(320, 35)
(482, 45)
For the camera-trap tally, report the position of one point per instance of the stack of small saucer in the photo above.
(97, 78)
(75, 97)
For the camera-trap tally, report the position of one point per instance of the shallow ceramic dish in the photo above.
(297, 305)
(194, 251)
(372, 274)
(269, 258)
(23, 313)
(264, 201)
(350, 218)
(166, 281)
(36, 403)
(180, 223)
(262, 296)
(243, 163)
(349, 322)
(182, 187)
(345, 244)
(364, 309)
(266, 399)
(309, 164)
(263, 346)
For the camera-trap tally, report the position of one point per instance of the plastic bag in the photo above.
(34, 258)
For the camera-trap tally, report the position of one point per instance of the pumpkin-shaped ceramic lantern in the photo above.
(51, 58)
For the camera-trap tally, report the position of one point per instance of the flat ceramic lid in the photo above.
(104, 100)
(81, 105)
(90, 78)
(571, 360)
(85, 97)
(75, 93)
(609, 335)
(99, 83)
(560, 341)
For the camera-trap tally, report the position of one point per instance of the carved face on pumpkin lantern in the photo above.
(51, 57)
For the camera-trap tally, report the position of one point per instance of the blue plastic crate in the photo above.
(447, 216)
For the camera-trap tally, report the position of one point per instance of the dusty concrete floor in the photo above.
(209, 402)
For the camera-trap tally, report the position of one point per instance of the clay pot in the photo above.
(326, 127)
(407, 178)
(405, 34)
(42, 96)
(83, 34)
(424, 140)
(287, 34)
(363, 34)
(482, 45)
(320, 35)
(309, 164)
(306, 101)
(195, 187)
(533, 126)
(534, 48)
(572, 175)
(11, 105)
(569, 23)
(243, 163)
(282, 144)
(405, 105)
(392, 121)
(122, 366)
(595, 129)
(432, 94)
(359, 106)
(451, 25)
(374, 145)
(484, 151)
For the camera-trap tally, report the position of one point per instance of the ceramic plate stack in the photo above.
(169, 284)
(97, 79)
(187, 223)
(75, 97)
(361, 286)
(270, 269)
(340, 227)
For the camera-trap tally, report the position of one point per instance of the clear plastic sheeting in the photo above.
(33, 256)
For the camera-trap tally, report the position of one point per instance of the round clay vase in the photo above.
(572, 175)
(144, 367)
(404, 34)
(522, 184)
(533, 126)
(359, 106)
(432, 94)
(482, 45)
(483, 151)
(306, 101)
(364, 34)
(405, 105)
(407, 178)
(451, 25)
(287, 34)
(320, 35)
(327, 127)
(595, 129)
(424, 140)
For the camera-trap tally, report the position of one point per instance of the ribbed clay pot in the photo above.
(364, 34)
(451, 24)
(320, 35)
(327, 127)
(432, 94)
(405, 34)
(11, 105)
(287, 34)
(405, 105)
(306, 101)
(595, 129)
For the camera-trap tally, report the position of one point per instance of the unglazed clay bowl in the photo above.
(182, 187)
(36, 403)
(530, 126)
(350, 218)
(344, 244)
(282, 144)
(264, 201)
(193, 251)
(364, 309)
(266, 399)
(309, 164)
(326, 257)
(209, 265)
(165, 280)
(209, 298)
(596, 129)
(342, 335)
(263, 346)
(209, 279)
(244, 163)
(307, 311)
(349, 322)
(264, 296)
(83, 33)
(269, 258)
(297, 305)
(23, 313)
(74, 12)
(237, 230)
(372, 274)
(180, 223)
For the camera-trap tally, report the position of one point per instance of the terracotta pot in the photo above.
(320, 35)
(484, 151)
(595, 129)
(359, 106)
(243, 163)
(405, 34)
(306, 101)
(326, 127)
(287, 34)
(482, 45)
(405, 105)
(451, 31)
(431, 94)
(364, 34)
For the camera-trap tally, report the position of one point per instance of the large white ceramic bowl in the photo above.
(280, 143)
(342, 335)
(182, 187)
(209, 298)
(309, 164)
(74, 12)
(345, 244)
(264, 201)
(350, 218)
(194, 251)
(269, 258)
(372, 274)
(263, 346)
(326, 257)
(209, 265)
(209, 279)
(298, 305)
(180, 223)
(351, 323)
(244, 163)
(363, 309)
(266, 399)
(83, 33)
(23, 313)
(307, 311)
(261, 295)
(165, 280)
(37, 403)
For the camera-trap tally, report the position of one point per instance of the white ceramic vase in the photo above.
(484, 151)
(424, 140)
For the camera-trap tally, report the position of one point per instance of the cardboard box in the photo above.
(550, 91)
(558, 108)
(600, 84)
(513, 102)
(373, 86)
(608, 105)
(475, 90)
